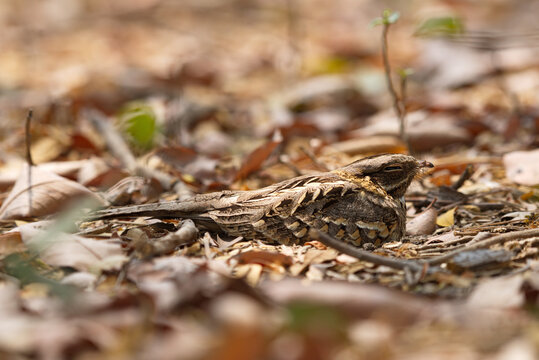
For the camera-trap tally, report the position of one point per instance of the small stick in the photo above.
(466, 174)
(29, 159)
(498, 239)
(285, 160)
(29, 138)
(447, 243)
(313, 158)
(402, 117)
(365, 255)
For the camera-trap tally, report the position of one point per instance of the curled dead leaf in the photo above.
(39, 193)
(423, 224)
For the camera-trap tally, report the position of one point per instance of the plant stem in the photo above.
(398, 103)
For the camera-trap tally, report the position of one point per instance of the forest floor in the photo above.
(156, 100)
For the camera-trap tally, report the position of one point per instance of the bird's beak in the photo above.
(424, 168)
(425, 164)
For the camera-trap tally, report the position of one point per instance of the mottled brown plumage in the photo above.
(359, 203)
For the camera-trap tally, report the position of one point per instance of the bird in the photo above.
(361, 203)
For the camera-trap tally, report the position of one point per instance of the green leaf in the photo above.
(376, 22)
(388, 17)
(405, 73)
(441, 26)
(393, 17)
(138, 121)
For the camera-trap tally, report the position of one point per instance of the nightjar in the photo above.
(360, 203)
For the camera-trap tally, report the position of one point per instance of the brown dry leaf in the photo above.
(264, 258)
(92, 169)
(255, 160)
(522, 167)
(133, 190)
(447, 218)
(8, 176)
(47, 149)
(11, 242)
(79, 253)
(313, 256)
(48, 193)
(502, 293)
(423, 224)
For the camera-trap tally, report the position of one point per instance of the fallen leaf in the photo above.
(47, 148)
(264, 258)
(258, 156)
(11, 242)
(78, 252)
(313, 256)
(423, 224)
(522, 167)
(502, 293)
(63, 168)
(133, 190)
(44, 195)
(447, 218)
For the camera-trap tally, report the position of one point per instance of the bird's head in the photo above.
(392, 172)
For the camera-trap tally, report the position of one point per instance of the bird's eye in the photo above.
(393, 168)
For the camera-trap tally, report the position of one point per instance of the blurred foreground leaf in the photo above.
(441, 26)
(28, 270)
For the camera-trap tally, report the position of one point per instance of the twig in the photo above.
(466, 174)
(29, 159)
(499, 239)
(451, 242)
(313, 158)
(367, 256)
(285, 160)
(402, 117)
(29, 138)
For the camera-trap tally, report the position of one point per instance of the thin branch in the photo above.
(29, 159)
(466, 174)
(387, 69)
(498, 239)
(402, 118)
(366, 255)
(29, 138)
(313, 158)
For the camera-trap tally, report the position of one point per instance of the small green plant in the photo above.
(399, 102)
(138, 122)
